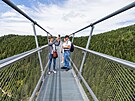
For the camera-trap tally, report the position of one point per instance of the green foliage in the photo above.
(14, 44)
(18, 80)
(118, 43)
(110, 81)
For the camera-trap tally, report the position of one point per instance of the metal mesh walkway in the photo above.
(62, 86)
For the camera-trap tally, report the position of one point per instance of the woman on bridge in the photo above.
(52, 47)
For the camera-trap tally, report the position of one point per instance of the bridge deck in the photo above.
(62, 86)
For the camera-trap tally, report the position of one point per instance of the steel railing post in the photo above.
(87, 46)
(47, 38)
(37, 45)
(73, 38)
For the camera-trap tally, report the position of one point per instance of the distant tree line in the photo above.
(14, 44)
(118, 43)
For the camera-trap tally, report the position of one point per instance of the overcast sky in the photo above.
(64, 16)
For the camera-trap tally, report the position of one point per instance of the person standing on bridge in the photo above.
(62, 50)
(52, 47)
(66, 48)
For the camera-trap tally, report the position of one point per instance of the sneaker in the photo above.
(54, 71)
(67, 69)
(49, 73)
(63, 67)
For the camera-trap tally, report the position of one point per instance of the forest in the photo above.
(14, 44)
(25, 73)
(109, 80)
(18, 80)
(118, 43)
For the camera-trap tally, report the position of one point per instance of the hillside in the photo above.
(23, 75)
(118, 43)
(14, 44)
(110, 81)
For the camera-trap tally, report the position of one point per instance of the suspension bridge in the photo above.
(109, 78)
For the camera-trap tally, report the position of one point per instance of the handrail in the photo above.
(38, 84)
(15, 56)
(85, 83)
(130, 65)
(25, 15)
(107, 17)
(20, 57)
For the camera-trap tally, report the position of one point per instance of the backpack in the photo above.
(72, 47)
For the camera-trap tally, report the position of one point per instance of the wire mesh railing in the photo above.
(19, 79)
(44, 56)
(79, 54)
(108, 79)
